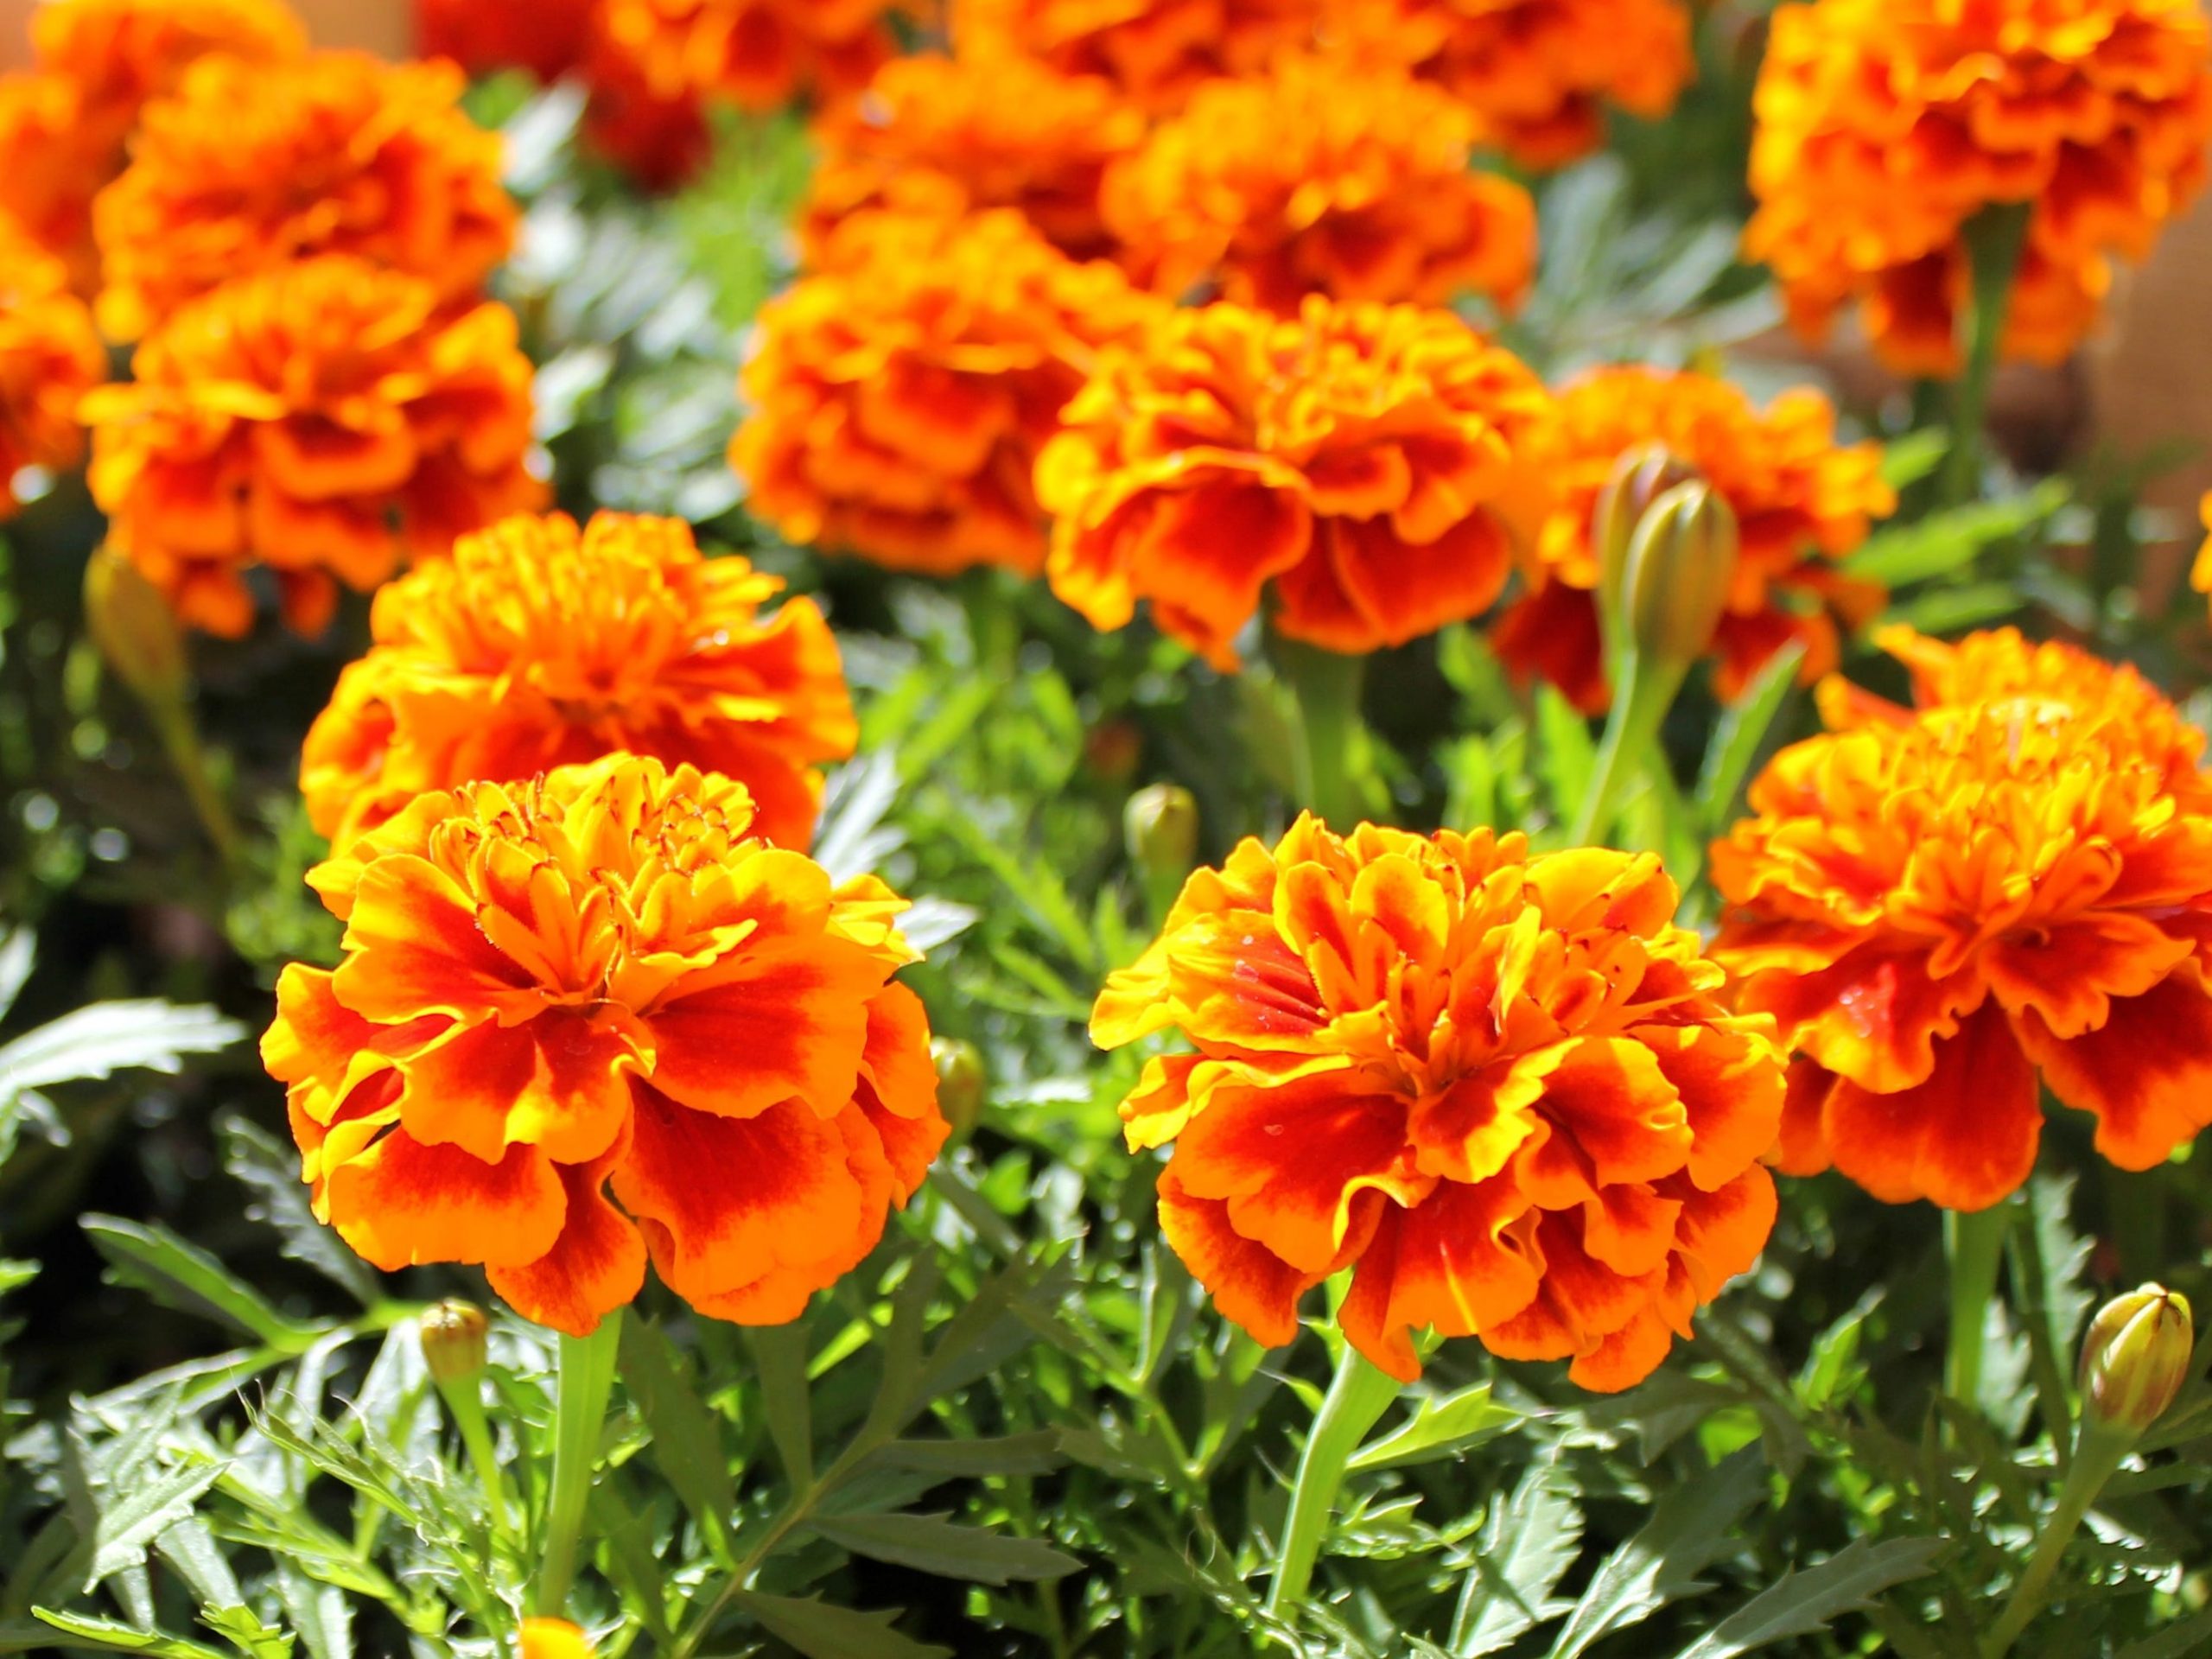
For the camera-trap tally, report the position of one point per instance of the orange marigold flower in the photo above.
(50, 357)
(950, 135)
(1941, 906)
(1323, 176)
(1366, 461)
(1540, 72)
(1802, 502)
(1156, 50)
(760, 53)
(554, 1638)
(548, 38)
(1886, 126)
(1501, 1090)
(900, 397)
(602, 978)
(251, 167)
(539, 644)
(325, 419)
(65, 127)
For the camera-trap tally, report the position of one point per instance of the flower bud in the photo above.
(1161, 825)
(453, 1340)
(2135, 1358)
(960, 1083)
(134, 628)
(1643, 474)
(1682, 564)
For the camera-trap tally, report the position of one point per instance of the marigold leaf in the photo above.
(110, 1635)
(1438, 1428)
(106, 1038)
(1530, 1542)
(687, 1444)
(149, 1257)
(780, 1355)
(1805, 1603)
(933, 1544)
(821, 1631)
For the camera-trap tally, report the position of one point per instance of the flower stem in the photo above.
(584, 1383)
(1642, 697)
(2095, 1461)
(1974, 1242)
(1355, 1403)
(1327, 686)
(188, 758)
(1994, 242)
(464, 1400)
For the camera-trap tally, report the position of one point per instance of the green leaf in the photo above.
(1527, 1546)
(257, 1159)
(2184, 1640)
(13, 1276)
(1805, 1603)
(1566, 756)
(821, 1631)
(1037, 1453)
(1688, 1531)
(242, 1627)
(107, 1635)
(106, 1038)
(320, 1612)
(1740, 734)
(687, 1445)
(150, 1257)
(1948, 610)
(931, 1543)
(1916, 455)
(780, 1356)
(1946, 542)
(1438, 1428)
(129, 1525)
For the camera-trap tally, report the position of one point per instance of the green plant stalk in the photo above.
(2096, 1459)
(181, 743)
(1644, 693)
(465, 1400)
(583, 1384)
(1974, 1244)
(1327, 685)
(1357, 1398)
(1994, 240)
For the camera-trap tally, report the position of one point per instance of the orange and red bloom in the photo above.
(1886, 127)
(1156, 50)
(1365, 463)
(1802, 502)
(1501, 1090)
(50, 357)
(250, 166)
(1326, 177)
(1945, 907)
(327, 420)
(898, 398)
(1540, 72)
(758, 53)
(592, 1017)
(539, 644)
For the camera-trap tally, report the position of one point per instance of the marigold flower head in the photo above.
(1501, 1090)
(1322, 176)
(251, 167)
(1886, 126)
(759, 54)
(602, 979)
(1540, 72)
(326, 419)
(1943, 907)
(1364, 462)
(951, 135)
(1157, 51)
(899, 398)
(1801, 500)
(548, 38)
(537, 644)
(50, 357)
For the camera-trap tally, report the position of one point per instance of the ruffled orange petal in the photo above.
(596, 1265)
(2146, 1072)
(400, 1203)
(561, 1083)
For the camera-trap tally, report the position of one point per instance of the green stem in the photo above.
(181, 743)
(1327, 686)
(464, 1400)
(1355, 1403)
(1974, 1242)
(2095, 1461)
(584, 1383)
(1643, 693)
(1994, 242)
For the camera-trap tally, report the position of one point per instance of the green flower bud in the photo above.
(2135, 1358)
(453, 1340)
(135, 629)
(1161, 826)
(961, 1083)
(1643, 474)
(1682, 564)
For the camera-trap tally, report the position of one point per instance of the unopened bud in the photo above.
(1643, 474)
(960, 1083)
(2135, 1358)
(136, 631)
(453, 1340)
(553, 1638)
(1682, 564)
(1161, 826)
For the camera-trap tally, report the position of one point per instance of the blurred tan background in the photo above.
(2146, 381)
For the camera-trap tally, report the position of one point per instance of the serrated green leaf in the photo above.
(320, 1612)
(256, 1160)
(780, 1357)
(1946, 542)
(687, 1444)
(1527, 1546)
(128, 1524)
(150, 1257)
(1037, 1453)
(242, 1627)
(821, 1631)
(109, 1636)
(98, 1041)
(1438, 1428)
(1805, 1603)
(934, 1544)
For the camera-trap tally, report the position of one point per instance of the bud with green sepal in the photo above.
(1160, 826)
(456, 1339)
(961, 1083)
